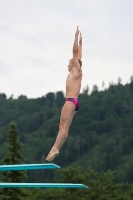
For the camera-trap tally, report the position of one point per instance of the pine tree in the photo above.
(13, 156)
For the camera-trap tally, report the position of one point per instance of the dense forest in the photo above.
(100, 137)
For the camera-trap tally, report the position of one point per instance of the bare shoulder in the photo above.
(76, 63)
(77, 72)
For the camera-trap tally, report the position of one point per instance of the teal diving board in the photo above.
(42, 185)
(28, 167)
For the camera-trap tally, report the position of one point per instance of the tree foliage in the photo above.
(13, 156)
(100, 135)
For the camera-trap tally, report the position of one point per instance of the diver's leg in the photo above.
(66, 117)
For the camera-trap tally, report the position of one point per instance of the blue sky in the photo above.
(36, 39)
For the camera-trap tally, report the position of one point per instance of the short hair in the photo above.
(80, 61)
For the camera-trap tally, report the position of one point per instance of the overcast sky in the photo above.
(36, 39)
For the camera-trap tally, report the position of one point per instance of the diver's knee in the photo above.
(63, 129)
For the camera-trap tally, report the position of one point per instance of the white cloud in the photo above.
(36, 40)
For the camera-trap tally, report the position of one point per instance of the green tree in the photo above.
(13, 156)
(101, 185)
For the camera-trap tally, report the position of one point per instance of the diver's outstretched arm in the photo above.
(80, 47)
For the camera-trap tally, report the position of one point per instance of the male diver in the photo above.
(71, 105)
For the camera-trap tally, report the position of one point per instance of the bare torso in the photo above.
(73, 83)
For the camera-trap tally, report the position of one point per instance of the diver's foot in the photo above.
(52, 154)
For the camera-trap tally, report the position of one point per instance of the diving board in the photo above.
(42, 185)
(36, 185)
(28, 167)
